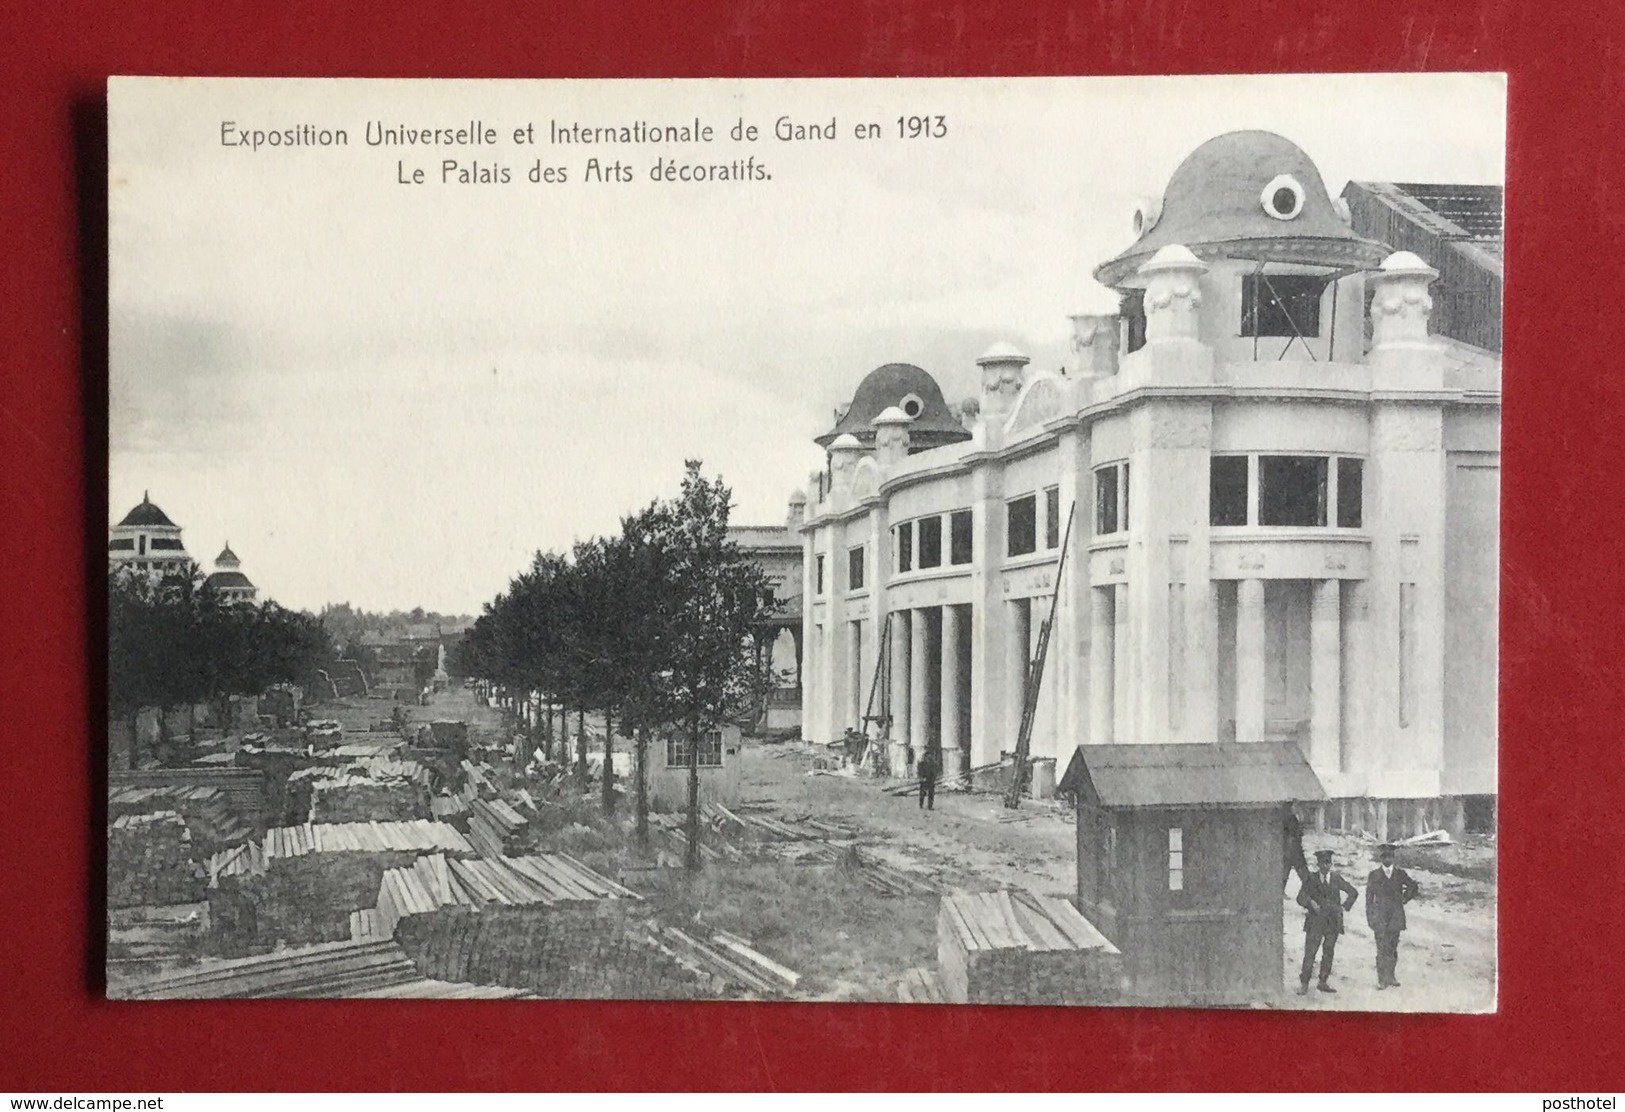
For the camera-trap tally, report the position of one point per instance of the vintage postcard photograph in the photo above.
(1018, 541)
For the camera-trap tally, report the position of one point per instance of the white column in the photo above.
(1101, 655)
(1250, 660)
(918, 717)
(1123, 677)
(899, 679)
(951, 633)
(1326, 676)
(858, 666)
(1015, 658)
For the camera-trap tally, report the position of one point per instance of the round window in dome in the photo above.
(1283, 197)
(912, 405)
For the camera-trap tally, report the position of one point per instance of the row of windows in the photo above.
(1304, 491)
(710, 755)
(1271, 305)
(1286, 490)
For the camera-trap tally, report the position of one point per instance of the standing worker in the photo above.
(1322, 896)
(929, 766)
(1387, 890)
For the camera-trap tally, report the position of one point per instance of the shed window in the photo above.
(710, 755)
(959, 537)
(930, 542)
(1052, 517)
(1176, 859)
(1227, 491)
(1350, 493)
(1021, 516)
(905, 546)
(1281, 304)
(1292, 490)
(854, 568)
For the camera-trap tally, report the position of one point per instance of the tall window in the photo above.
(1281, 304)
(1227, 491)
(854, 568)
(1292, 490)
(905, 546)
(1021, 517)
(818, 574)
(930, 533)
(710, 755)
(1176, 859)
(959, 537)
(1350, 492)
(1052, 517)
(1111, 499)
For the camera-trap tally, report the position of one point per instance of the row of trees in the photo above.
(650, 627)
(175, 642)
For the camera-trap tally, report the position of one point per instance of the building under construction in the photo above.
(1276, 485)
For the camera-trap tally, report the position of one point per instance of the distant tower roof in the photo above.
(147, 514)
(227, 558)
(223, 579)
(912, 391)
(1249, 195)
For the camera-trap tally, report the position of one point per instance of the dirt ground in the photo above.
(852, 943)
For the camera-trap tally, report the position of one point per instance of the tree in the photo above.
(717, 596)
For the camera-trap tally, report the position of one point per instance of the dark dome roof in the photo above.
(908, 388)
(1215, 200)
(227, 557)
(147, 514)
(228, 579)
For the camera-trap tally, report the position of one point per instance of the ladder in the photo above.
(1035, 678)
(880, 687)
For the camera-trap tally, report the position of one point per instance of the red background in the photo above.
(1562, 872)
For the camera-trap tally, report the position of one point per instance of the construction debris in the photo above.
(732, 961)
(1431, 838)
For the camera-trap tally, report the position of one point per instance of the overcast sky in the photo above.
(393, 394)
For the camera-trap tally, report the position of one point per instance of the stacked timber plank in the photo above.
(1016, 947)
(424, 989)
(243, 788)
(495, 828)
(247, 860)
(340, 969)
(450, 808)
(316, 875)
(364, 796)
(176, 931)
(149, 861)
(920, 986)
(206, 810)
(546, 923)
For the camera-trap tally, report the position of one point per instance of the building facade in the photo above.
(1278, 492)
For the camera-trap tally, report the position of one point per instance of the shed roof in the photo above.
(1191, 775)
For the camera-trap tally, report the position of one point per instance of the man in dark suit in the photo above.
(1292, 858)
(928, 768)
(1322, 895)
(1387, 890)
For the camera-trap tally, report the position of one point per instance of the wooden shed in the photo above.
(1179, 862)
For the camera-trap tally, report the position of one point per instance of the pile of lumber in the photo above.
(247, 860)
(731, 961)
(424, 989)
(364, 797)
(413, 836)
(177, 931)
(889, 880)
(435, 882)
(243, 788)
(1017, 947)
(450, 808)
(206, 810)
(365, 750)
(339, 969)
(495, 828)
(546, 923)
(149, 861)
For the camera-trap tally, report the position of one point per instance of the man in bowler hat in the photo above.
(1322, 895)
(1387, 890)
